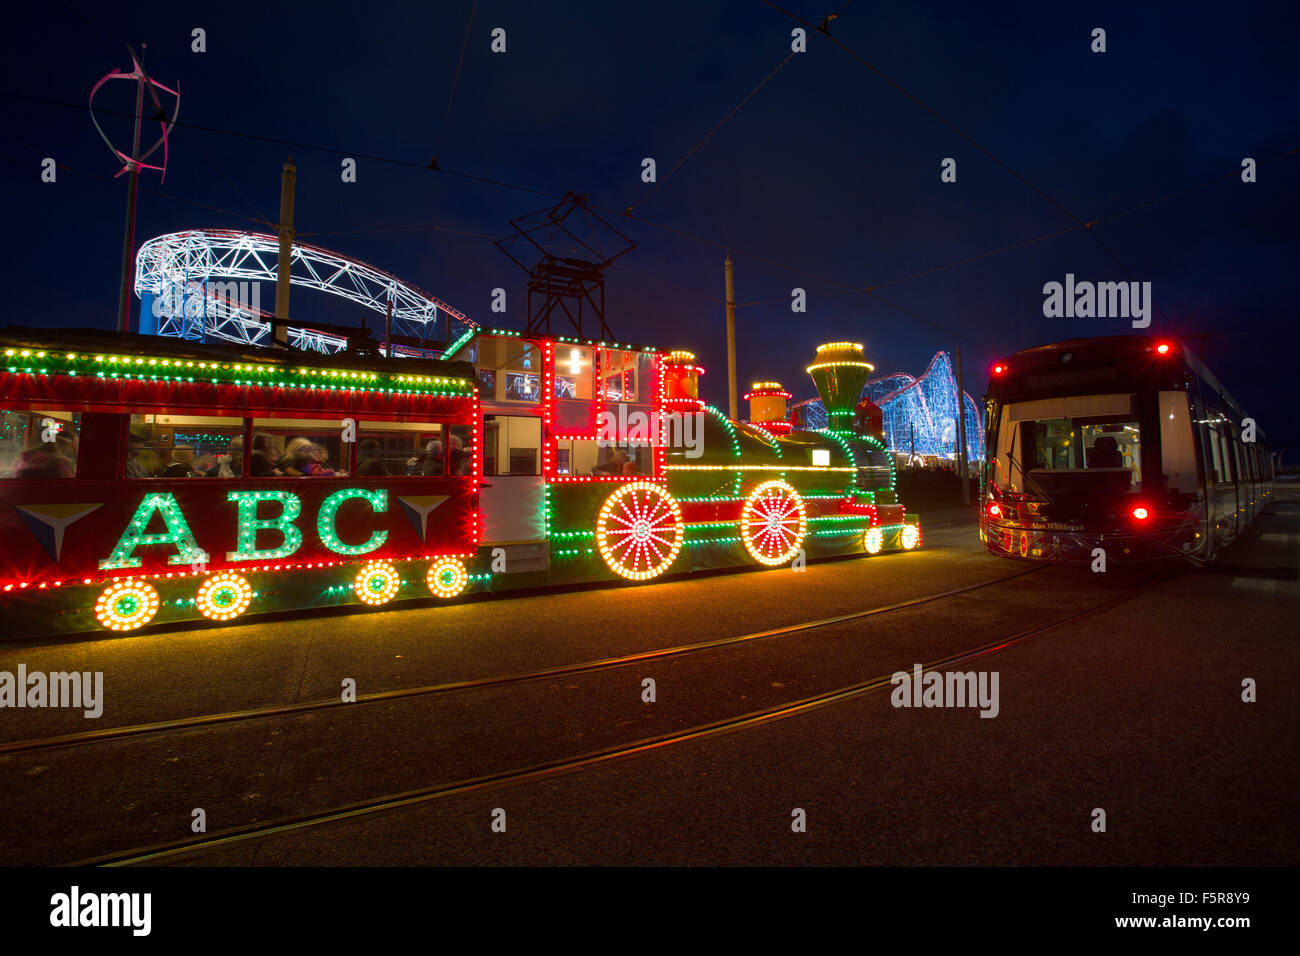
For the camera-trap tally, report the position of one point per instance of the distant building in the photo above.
(920, 414)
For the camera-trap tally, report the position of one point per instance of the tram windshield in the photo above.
(1075, 445)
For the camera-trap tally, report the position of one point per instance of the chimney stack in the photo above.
(767, 407)
(840, 372)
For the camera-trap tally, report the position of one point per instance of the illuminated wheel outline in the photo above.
(773, 522)
(223, 596)
(377, 582)
(911, 536)
(639, 530)
(873, 541)
(447, 577)
(126, 605)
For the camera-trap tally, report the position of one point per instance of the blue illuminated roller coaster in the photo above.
(920, 414)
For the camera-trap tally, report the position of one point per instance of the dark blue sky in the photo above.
(828, 178)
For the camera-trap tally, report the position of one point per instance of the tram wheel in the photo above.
(377, 582)
(640, 530)
(126, 605)
(773, 522)
(447, 577)
(223, 596)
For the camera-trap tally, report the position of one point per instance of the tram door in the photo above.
(512, 496)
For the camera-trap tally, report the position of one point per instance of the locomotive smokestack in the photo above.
(839, 373)
(767, 406)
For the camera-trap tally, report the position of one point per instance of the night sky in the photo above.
(828, 178)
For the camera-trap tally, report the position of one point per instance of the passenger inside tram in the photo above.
(266, 452)
(370, 462)
(43, 460)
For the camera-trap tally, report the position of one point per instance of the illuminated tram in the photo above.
(1124, 443)
(151, 481)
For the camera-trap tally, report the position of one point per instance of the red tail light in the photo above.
(1141, 513)
(1163, 348)
(999, 369)
(995, 511)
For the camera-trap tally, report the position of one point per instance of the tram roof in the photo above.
(474, 333)
(133, 343)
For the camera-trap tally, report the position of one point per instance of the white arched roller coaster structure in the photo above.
(205, 284)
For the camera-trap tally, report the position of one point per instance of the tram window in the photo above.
(400, 448)
(1215, 466)
(1225, 457)
(300, 447)
(573, 370)
(523, 387)
(1177, 451)
(184, 446)
(512, 445)
(625, 376)
(460, 451)
(592, 457)
(510, 370)
(1084, 446)
(39, 444)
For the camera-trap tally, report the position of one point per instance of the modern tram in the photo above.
(1124, 443)
(146, 480)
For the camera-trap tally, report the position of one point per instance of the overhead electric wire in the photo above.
(145, 189)
(1080, 222)
(722, 122)
(235, 187)
(867, 288)
(1220, 177)
(925, 106)
(451, 97)
(410, 164)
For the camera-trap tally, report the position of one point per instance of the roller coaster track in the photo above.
(195, 277)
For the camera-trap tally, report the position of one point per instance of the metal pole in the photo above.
(283, 265)
(733, 409)
(128, 240)
(388, 326)
(961, 432)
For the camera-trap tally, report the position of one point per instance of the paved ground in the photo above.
(1136, 711)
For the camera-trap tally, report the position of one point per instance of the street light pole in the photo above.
(733, 409)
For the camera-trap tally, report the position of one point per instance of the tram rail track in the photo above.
(174, 850)
(109, 734)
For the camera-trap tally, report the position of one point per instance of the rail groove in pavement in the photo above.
(280, 710)
(159, 853)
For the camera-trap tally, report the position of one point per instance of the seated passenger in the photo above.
(369, 462)
(307, 461)
(433, 459)
(42, 460)
(322, 457)
(1105, 454)
(458, 460)
(231, 464)
(140, 460)
(181, 465)
(262, 461)
(618, 464)
(285, 464)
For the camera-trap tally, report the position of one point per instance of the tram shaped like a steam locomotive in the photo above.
(146, 481)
